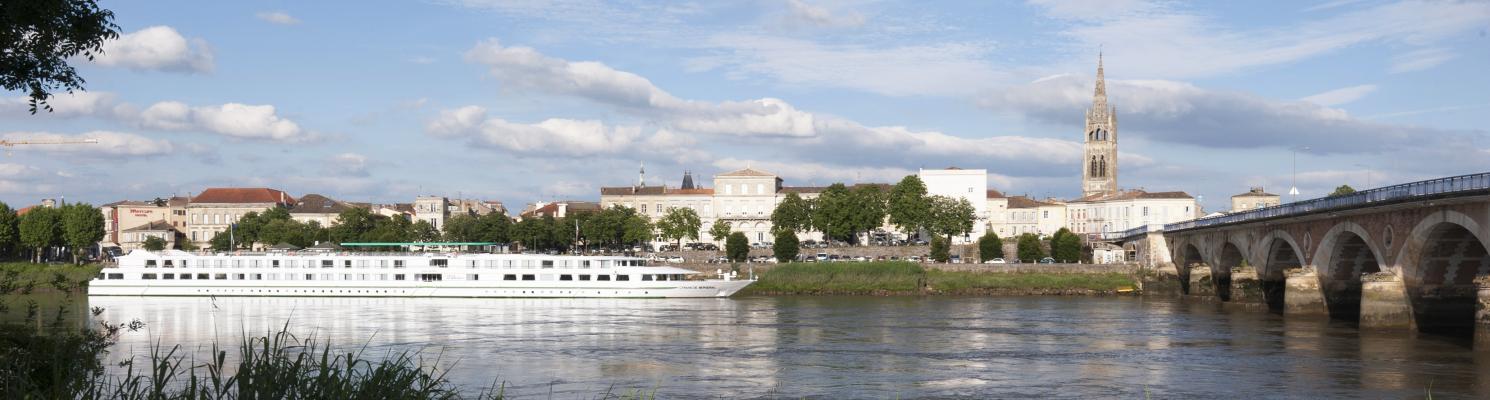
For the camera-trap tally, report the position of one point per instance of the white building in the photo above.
(216, 209)
(961, 184)
(1113, 212)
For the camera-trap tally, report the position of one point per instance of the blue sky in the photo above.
(532, 100)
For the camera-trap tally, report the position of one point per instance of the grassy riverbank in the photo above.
(24, 275)
(905, 278)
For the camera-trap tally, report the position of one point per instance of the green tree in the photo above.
(907, 205)
(990, 247)
(719, 230)
(560, 234)
(680, 223)
(793, 214)
(950, 216)
(82, 228)
(786, 246)
(463, 228)
(388, 229)
(494, 227)
(220, 242)
(737, 247)
(355, 224)
(1343, 190)
(10, 235)
(37, 37)
(184, 244)
(868, 209)
(423, 231)
(530, 233)
(1029, 248)
(940, 249)
(1065, 246)
(40, 229)
(636, 229)
(246, 230)
(154, 243)
(833, 213)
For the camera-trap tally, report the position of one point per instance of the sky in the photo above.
(540, 100)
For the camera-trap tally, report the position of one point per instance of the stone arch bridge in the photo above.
(1410, 256)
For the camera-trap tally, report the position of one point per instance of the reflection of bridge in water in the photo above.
(1410, 256)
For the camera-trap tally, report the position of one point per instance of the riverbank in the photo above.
(905, 278)
(26, 277)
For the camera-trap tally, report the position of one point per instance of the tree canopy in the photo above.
(719, 230)
(37, 37)
(40, 229)
(990, 247)
(833, 213)
(1029, 248)
(1342, 190)
(793, 214)
(907, 205)
(154, 243)
(1065, 246)
(950, 216)
(786, 246)
(680, 223)
(737, 247)
(82, 228)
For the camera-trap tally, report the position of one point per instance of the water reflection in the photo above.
(848, 347)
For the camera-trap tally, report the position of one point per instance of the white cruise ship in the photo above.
(178, 273)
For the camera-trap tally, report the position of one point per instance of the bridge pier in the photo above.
(1201, 282)
(1165, 279)
(1245, 285)
(1482, 314)
(1302, 294)
(1384, 303)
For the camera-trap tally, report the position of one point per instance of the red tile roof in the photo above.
(994, 194)
(243, 195)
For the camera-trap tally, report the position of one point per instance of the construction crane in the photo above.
(12, 143)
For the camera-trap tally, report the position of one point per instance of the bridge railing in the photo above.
(1141, 229)
(1406, 191)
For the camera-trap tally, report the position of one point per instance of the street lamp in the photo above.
(1293, 189)
(1368, 175)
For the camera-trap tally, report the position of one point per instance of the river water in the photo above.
(847, 347)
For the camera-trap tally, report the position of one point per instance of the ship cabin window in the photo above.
(602, 277)
(529, 277)
(361, 263)
(238, 277)
(661, 277)
(237, 263)
(623, 277)
(328, 263)
(346, 264)
(221, 277)
(398, 263)
(473, 277)
(548, 263)
(202, 277)
(346, 277)
(274, 264)
(382, 263)
(147, 276)
(509, 277)
(310, 277)
(584, 264)
(150, 264)
(116, 276)
(439, 262)
(566, 277)
(679, 277)
(507, 264)
(429, 277)
(168, 264)
(167, 276)
(584, 277)
(546, 277)
(257, 277)
(185, 276)
(253, 263)
(398, 277)
(646, 277)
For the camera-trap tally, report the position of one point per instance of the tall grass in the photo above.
(898, 277)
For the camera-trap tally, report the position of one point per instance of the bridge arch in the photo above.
(1189, 256)
(1345, 252)
(1441, 257)
(1229, 257)
(1279, 253)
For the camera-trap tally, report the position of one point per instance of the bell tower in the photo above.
(1099, 160)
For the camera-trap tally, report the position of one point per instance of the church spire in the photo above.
(1099, 99)
(641, 175)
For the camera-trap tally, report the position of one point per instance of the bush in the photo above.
(737, 247)
(786, 247)
(840, 278)
(1065, 246)
(990, 247)
(940, 249)
(1029, 248)
(154, 244)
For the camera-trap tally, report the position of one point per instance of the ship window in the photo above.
(382, 263)
(116, 276)
(328, 263)
(310, 277)
(258, 277)
(237, 277)
(507, 264)
(168, 264)
(429, 277)
(473, 277)
(661, 277)
(442, 263)
(361, 263)
(398, 263)
(529, 277)
(585, 277)
(147, 276)
(398, 277)
(220, 276)
(202, 276)
(548, 263)
(167, 276)
(274, 263)
(623, 277)
(584, 264)
(509, 277)
(237, 263)
(346, 264)
(346, 277)
(646, 277)
(566, 277)
(185, 276)
(150, 264)
(602, 277)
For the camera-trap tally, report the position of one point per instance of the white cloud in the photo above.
(158, 48)
(1340, 96)
(278, 18)
(232, 119)
(64, 105)
(1421, 59)
(929, 69)
(109, 144)
(817, 15)
(1197, 45)
(456, 122)
(810, 173)
(348, 164)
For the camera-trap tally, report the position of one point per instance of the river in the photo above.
(847, 347)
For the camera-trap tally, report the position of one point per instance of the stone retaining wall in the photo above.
(1003, 268)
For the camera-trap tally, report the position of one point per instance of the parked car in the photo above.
(822, 256)
(955, 259)
(1047, 260)
(995, 260)
(913, 258)
(675, 259)
(921, 243)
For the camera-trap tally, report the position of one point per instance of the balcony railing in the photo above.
(1395, 193)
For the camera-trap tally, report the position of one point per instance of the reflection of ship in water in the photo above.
(341, 274)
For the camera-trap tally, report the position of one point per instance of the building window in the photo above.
(760, 188)
(644, 208)
(1145, 211)
(727, 189)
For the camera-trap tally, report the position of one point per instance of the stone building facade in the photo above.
(1254, 199)
(216, 209)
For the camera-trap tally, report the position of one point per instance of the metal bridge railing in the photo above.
(1141, 229)
(1406, 191)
